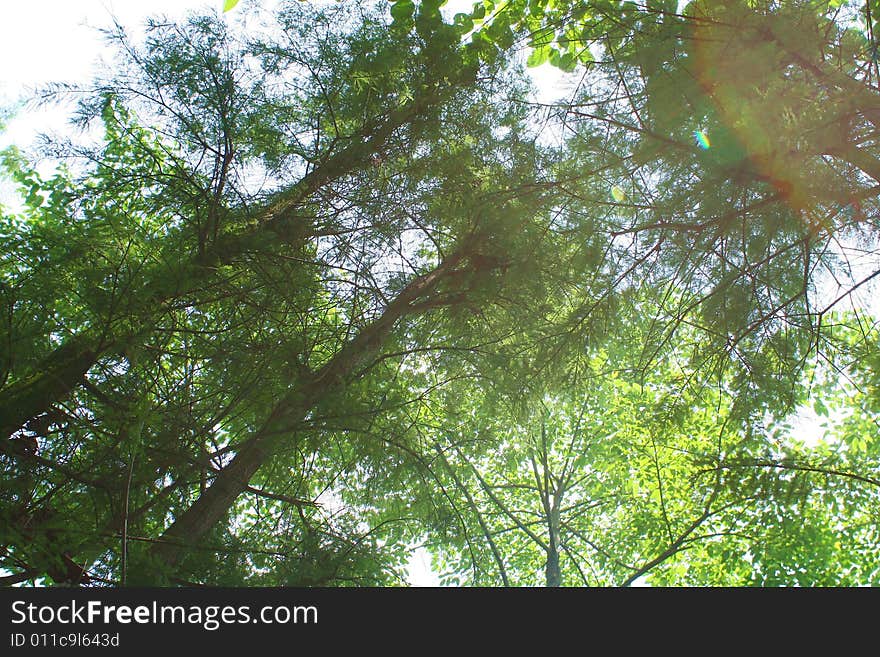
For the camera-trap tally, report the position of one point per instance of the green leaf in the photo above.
(402, 10)
(538, 56)
(463, 23)
(543, 37)
(568, 62)
(500, 34)
(663, 6)
(229, 4)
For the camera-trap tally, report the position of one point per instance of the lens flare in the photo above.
(702, 139)
(618, 194)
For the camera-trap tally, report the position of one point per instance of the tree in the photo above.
(205, 288)
(631, 478)
(265, 316)
(719, 142)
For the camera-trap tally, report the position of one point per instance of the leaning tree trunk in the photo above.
(214, 503)
(63, 370)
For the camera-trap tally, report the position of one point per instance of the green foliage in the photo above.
(331, 290)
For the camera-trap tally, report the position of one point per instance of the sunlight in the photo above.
(419, 571)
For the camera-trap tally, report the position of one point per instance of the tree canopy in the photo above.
(337, 286)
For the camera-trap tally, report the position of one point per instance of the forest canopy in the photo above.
(319, 292)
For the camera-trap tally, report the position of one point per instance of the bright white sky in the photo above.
(44, 41)
(54, 40)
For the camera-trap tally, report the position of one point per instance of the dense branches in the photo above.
(338, 285)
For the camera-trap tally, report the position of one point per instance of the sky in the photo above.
(54, 40)
(43, 41)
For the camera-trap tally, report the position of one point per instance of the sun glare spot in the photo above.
(702, 139)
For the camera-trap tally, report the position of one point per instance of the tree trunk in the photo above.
(552, 571)
(212, 505)
(62, 370)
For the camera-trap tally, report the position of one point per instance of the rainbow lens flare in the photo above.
(702, 139)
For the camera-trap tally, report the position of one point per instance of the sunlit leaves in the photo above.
(538, 56)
